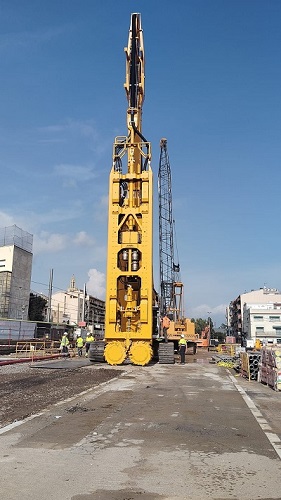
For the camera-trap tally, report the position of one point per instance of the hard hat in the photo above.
(65, 333)
(182, 335)
(78, 334)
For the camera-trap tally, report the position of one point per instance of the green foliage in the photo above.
(36, 308)
(220, 336)
(200, 324)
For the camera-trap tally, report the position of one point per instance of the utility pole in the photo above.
(78, 307)
(209, 333)
(84, 302)
(50, 296)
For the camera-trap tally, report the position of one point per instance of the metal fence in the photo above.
(13, 235)
(17, 330)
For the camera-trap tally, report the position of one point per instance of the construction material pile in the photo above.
(249, 367)
(226, 361)
(270, 369)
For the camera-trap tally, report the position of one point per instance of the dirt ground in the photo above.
(25, 391)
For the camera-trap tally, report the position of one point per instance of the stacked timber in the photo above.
(249, 366)
(166, 353)
(270, 368)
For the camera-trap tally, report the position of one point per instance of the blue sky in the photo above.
(213, 80)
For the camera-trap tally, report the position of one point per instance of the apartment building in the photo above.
(15, 272)
(263, 322)
(75, 306)
(267, 298)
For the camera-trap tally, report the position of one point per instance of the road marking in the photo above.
(264, 425)
(19, 422)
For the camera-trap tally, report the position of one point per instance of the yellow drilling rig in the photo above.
(131, 302)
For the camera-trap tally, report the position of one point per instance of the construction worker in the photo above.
(64, 343)
(165, 326)
(182, 348)
(88, 341)
(79, 344)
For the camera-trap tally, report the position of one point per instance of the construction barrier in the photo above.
(37, 351)
(36, 347)
(229, 349)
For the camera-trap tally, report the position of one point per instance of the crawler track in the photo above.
(96, 351)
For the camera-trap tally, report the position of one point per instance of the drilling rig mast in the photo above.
(129, 288)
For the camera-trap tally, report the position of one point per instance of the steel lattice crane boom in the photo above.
(171, 288)
(166, 236)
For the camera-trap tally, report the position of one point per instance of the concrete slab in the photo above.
(63, 364)
(164, 432)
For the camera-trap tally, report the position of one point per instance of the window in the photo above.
(259, 329)
(274, 318)
(258, 318)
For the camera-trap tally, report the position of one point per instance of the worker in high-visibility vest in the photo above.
(88, 341)
(64, 343)
(79, 344)
(182, 348)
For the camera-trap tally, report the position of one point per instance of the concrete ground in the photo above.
(167, 432)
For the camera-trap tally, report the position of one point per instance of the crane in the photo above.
(130, 297)
(170, 284)
(171, 287)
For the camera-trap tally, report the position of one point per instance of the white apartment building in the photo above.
(75, 306)
(263, 322)
(264, 296)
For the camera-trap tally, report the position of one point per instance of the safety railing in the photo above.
(229, 349)
(36, 348)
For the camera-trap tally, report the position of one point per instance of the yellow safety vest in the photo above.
(80, 342)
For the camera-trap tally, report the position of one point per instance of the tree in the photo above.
(200, 325)
(220, 336)
(36, 308)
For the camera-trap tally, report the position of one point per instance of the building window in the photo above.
(274, 318)
(258, 318)
(259, 330)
